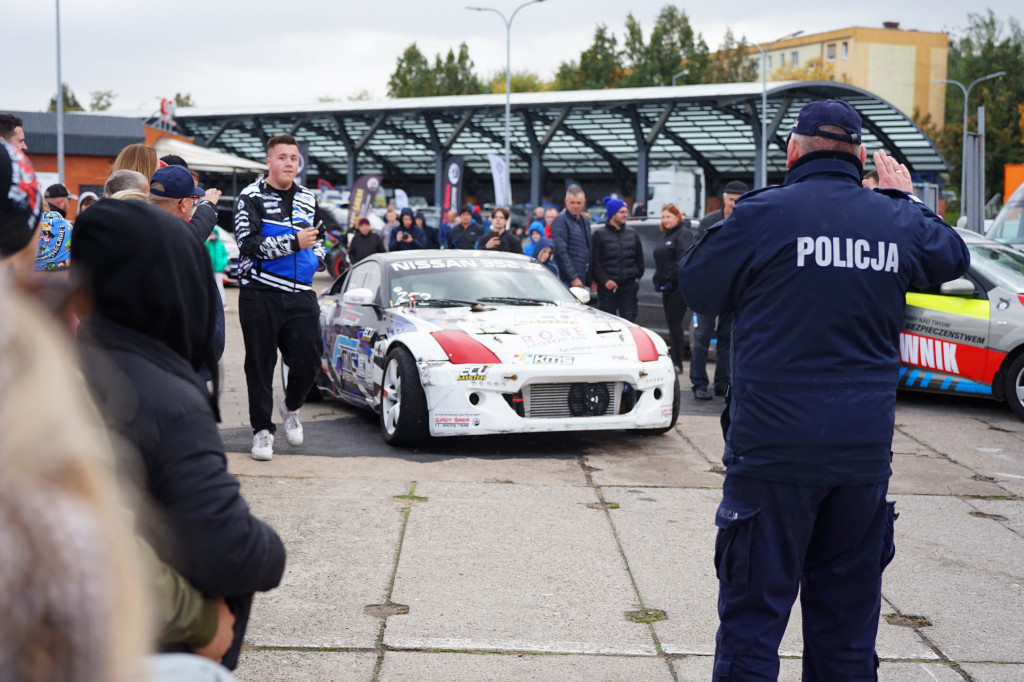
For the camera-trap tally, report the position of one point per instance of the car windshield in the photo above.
(1008, 227)
(494, 280)
(1002, 265)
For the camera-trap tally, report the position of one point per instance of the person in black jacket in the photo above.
(465, 234)
(149, 334)
(406, 236)
(499, 238)
(365, 242)
(618, 262)
(674, 242)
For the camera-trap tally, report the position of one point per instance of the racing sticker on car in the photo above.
(970, 362)
(538, 359)
(455, 421)
(478, 373)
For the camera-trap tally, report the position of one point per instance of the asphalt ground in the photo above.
(534, 558)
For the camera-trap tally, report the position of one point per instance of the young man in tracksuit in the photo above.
(280, 247)
(816, 272)
(618, 262)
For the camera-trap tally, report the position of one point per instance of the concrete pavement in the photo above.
(515, 559)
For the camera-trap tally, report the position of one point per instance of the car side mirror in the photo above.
(963, 288)
(358, 297)
(581, 294)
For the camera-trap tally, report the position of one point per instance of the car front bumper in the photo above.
(590, 394)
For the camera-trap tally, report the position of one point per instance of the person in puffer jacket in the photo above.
(618, 263)
(280, 247)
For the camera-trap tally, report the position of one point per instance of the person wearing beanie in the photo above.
(365, 242)
(406, 236)
(707, 327)
(618, 262)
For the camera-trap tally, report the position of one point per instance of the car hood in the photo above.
(532, 335)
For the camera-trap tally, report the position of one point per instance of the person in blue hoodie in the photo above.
(406, 236)
(545, 249)
(816, 271)
(536, 233)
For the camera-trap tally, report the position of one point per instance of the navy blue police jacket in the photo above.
(816, 272)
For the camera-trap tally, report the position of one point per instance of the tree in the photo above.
(814, 70)
(732, 63)
(522, 81)
(363, 95)
(455, 75)
(986, 46)
(599, 66)
(183, 100)
(101, 100)
(672, 49)
(413, 76)
(70, 101)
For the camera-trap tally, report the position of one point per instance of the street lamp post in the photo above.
(508, 86)
(963, 151)
(761, 173)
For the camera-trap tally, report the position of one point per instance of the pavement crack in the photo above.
(918, 623)
(651, 618)
(389, 608)
(976, 476)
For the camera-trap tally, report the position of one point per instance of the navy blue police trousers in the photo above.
(829, 543)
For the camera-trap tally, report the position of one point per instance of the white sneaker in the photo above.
(292, 427)
(263, 446)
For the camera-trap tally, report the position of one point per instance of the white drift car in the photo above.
(458, 343)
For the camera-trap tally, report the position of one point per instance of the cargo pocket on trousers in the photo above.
(889, 535)
(735, 521)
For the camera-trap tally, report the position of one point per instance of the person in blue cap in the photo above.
(816, 272)
(618, 262)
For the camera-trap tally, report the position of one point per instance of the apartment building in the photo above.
(895, 64)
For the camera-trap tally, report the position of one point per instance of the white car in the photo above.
(459, 343)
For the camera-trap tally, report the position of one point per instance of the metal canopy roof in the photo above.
(586, 135)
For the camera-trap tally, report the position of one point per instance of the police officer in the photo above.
(816, 272)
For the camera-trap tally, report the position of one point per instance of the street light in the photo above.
(761, 174)
(963, 151)
(508, 86)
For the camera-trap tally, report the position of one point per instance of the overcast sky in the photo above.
(229, 52)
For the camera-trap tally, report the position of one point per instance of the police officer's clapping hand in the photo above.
(891, 174)
(307, 237)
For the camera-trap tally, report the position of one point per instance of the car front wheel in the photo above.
(1014, 387)
(403, 405)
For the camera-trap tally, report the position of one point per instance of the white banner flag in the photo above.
(499, 171)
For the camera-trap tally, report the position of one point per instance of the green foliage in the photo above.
(101, 100)
(599, 66)
(455, 75)
(673, 48)
(182, 100)
(522, 81)
(731, 64)
(70, 101)
(414, 76)
(986, 46)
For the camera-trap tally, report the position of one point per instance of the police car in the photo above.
(459, 343)
(967, 336)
